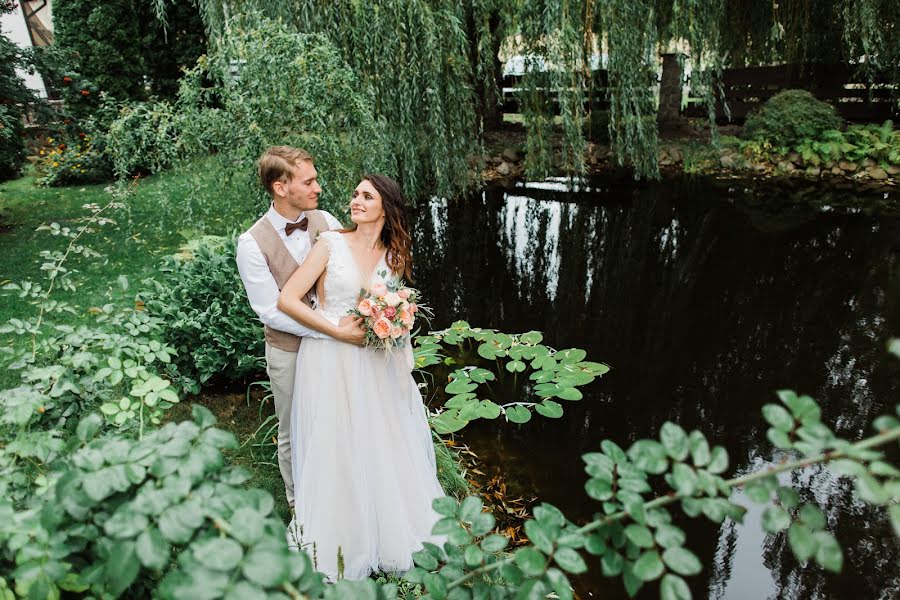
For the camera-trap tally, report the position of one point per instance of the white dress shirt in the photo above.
(262, 291)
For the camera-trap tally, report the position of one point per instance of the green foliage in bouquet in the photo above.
(547, 375)
(205, 315)
(264, 85)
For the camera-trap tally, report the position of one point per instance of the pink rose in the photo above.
(413, 308)
(366, 307)
(396, 332)
(404, 293)
(390, 312)
(382, 328)
(393, 299)
(378, 289)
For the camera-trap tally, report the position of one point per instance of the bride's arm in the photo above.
(300, 283)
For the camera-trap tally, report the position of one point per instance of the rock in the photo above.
(676, 154)
(829, 164)
(496, 160)
(795, 157)
(758, 166)
(877, 173)
(598, 154)
(868, 162)
(813, 171)
(846, 165)
(727, 161)
(511, 155)
(837, 171)
(485, 158)
(666, 161)
(893, 170)
(503, 169)
(785, 166)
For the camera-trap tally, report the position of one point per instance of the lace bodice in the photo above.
(343, 280)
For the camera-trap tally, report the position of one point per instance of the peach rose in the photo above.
(382, 328)
(396, 332)
(390, 312)
(404, 293)
(406, 318)
(413, 308)
(393, 299)
(378, 289)
(366, 307)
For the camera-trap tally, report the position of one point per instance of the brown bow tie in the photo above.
(302, 225)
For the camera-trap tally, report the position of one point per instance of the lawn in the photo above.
(165, 212)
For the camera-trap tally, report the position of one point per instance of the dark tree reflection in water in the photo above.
(704, 301)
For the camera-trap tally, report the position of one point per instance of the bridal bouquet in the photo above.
(389, 312)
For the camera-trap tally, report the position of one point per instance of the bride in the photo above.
(363, 460)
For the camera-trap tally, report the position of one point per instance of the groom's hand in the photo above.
(350, 330)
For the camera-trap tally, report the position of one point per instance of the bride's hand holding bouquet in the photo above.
(389, 311)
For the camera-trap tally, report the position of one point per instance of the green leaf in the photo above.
(675, 440)
(788, 497)
(812, 516)
(436, 585)
(894, 512)
(828, 552)
(515, 366)
(460, 386)
(152, 549)
(778, 417)
(599, 489)
(699, 448)
(265, 566)
(219, 554)
(540, 535)
(674, 587)
(802, 541)
(718, 461)
(550, 409)
(445, 505)
(870, 490)
(684, 479)
(611, 563)
(474, 556)
(649, 456)
(122, 567)
(570, 560)
(531, 561)
(758, 493)
(125, 523)
(639, 535)
(518, 414)
(423, 559)
(649, 566)
(494, 543)
(669, 536)
(682, 561)
(88, 427)
(531, 338)
(775, 519)
(779, 439)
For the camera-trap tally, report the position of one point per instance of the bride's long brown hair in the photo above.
(394, 234)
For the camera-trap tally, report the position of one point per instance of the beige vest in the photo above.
(282, 265)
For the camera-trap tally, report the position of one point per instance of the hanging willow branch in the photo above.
(433, 64)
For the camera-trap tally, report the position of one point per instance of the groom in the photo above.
(267, 255)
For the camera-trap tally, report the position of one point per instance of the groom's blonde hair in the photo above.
(277, 163)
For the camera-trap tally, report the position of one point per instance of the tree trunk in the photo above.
(669, 115)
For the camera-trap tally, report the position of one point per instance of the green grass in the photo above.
(166, 211)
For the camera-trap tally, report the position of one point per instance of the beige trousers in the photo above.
(281, 367)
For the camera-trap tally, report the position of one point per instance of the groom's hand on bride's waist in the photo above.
(350, 330)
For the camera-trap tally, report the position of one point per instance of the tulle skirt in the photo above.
(363, 460)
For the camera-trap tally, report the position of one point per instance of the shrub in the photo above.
(143, 139)
(124, 48)
(271, 86)
(12, 147)
(789, 117)
(73, 163)
(206, 316)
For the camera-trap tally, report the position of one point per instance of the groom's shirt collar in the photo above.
(277, 220)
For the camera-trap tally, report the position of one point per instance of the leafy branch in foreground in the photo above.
(635, 538)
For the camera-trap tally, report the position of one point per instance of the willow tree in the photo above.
(434, 69)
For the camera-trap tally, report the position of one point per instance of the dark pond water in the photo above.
(705, 298)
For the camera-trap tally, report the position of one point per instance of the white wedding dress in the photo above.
(361, 449)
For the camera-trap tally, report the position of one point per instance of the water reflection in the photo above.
(705, 301)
